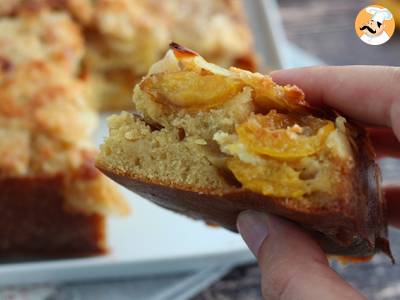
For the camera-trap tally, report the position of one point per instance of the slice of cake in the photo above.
(53, 201)
(211, 142)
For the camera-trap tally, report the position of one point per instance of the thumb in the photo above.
(292, 264)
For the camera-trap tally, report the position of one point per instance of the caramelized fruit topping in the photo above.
(284, 136)
(190, 89)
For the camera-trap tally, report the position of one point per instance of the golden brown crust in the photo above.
(123, 38)
(352, 230)
(52, 37)
(45, 126)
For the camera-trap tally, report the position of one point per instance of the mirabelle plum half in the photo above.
(272, 178)
(191, 89)
(284, 136)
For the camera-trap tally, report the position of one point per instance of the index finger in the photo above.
(370, 94)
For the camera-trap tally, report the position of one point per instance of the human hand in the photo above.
(292, 264)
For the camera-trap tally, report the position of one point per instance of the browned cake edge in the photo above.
(35, 223)
(357, 231)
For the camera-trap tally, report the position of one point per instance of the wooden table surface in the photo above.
(325, 28)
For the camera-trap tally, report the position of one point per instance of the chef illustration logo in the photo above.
(375, 25)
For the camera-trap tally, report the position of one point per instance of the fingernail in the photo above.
(253, 228)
